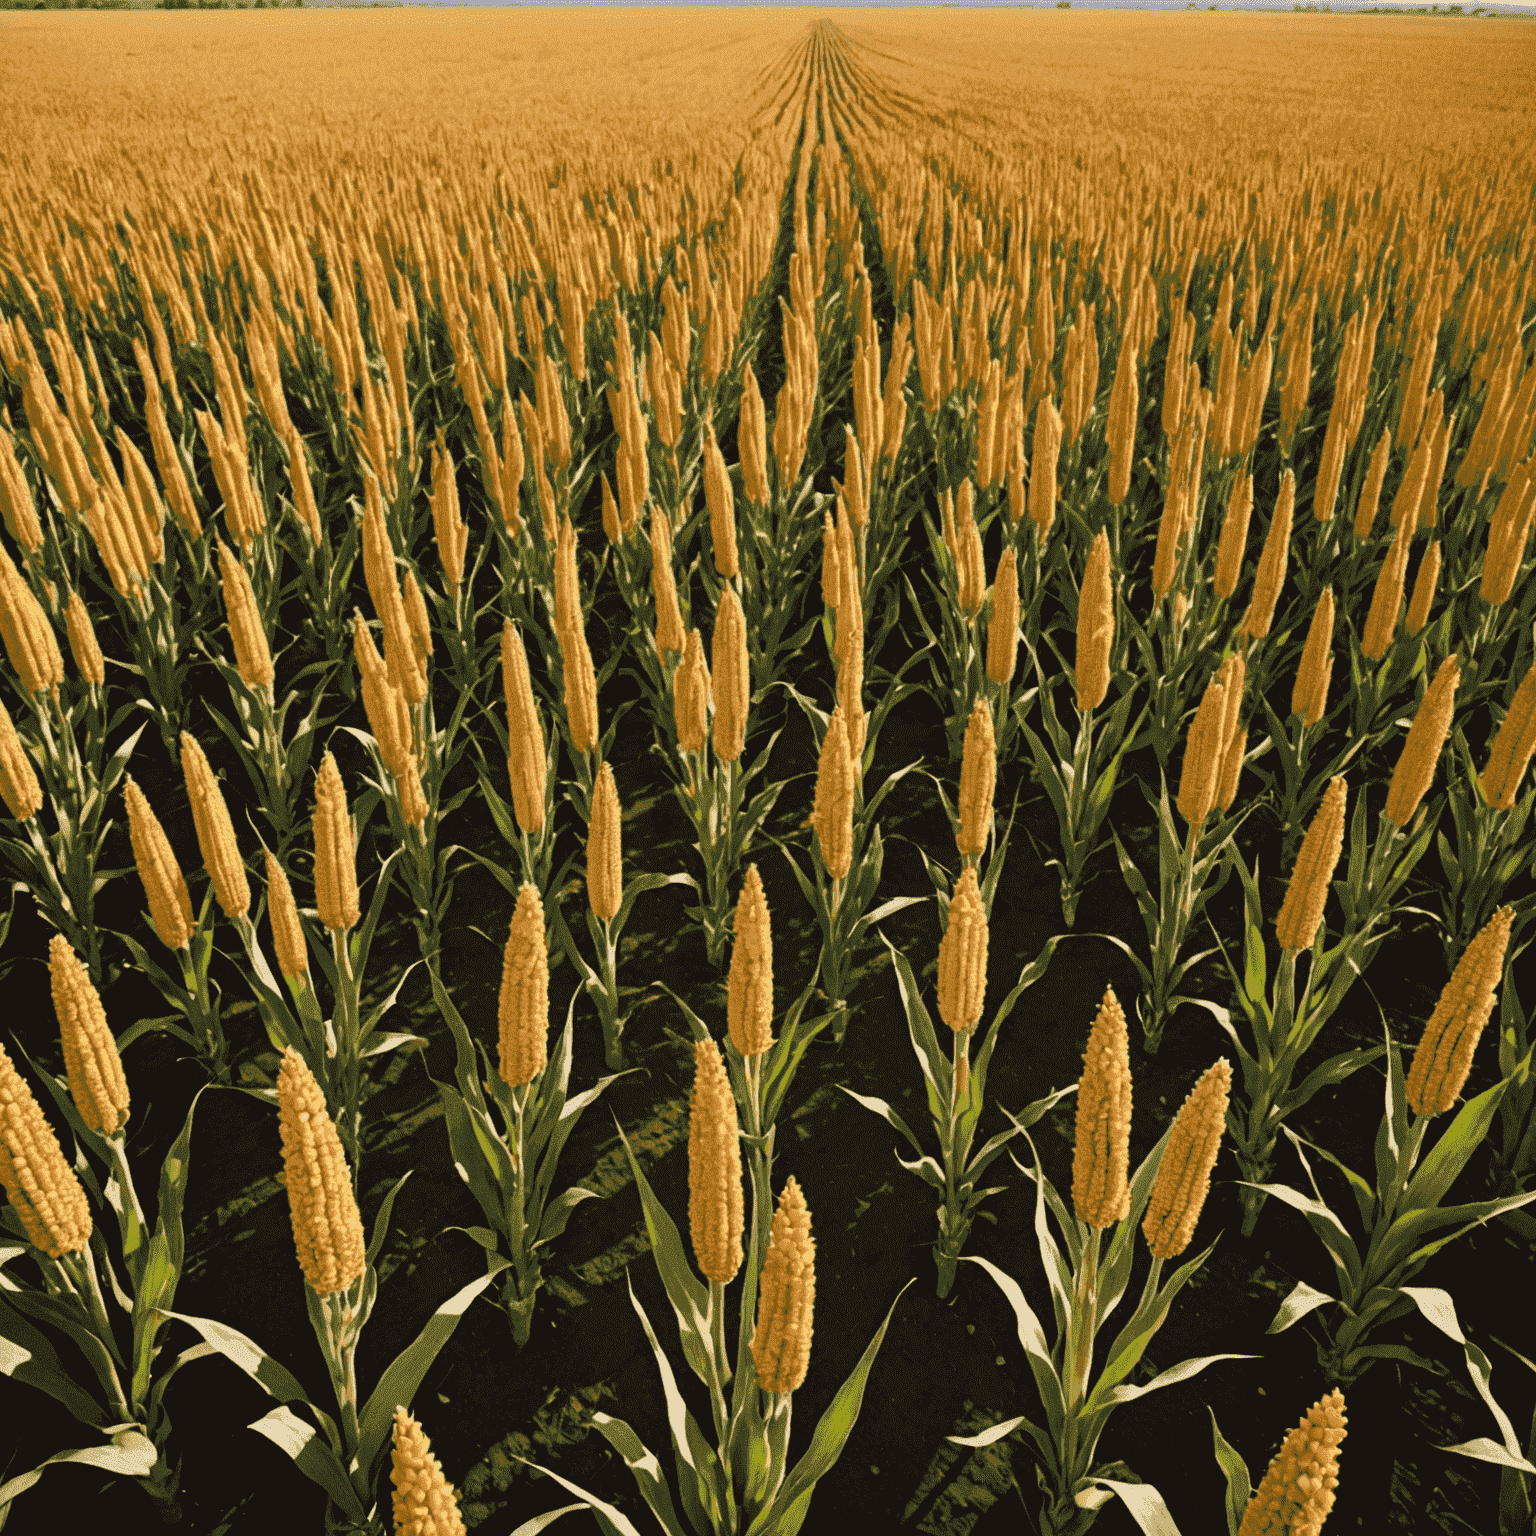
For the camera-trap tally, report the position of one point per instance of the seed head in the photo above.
(580, 685)
(327, 1229)
(38, 1182)
(1426, 736)
(170, 907)
(525, 733)
(1513, 746)
(287, 931)
(1231, 767)
(447, 521)
(18, 783)
(1444, 1056)
(978, 780)
(425, 1503)
(1234, 536)
(715, 1208)
(690, 696)
(605, 879)
(96, 1081)
(731, 683)
(832, 815)
(523, 1011)
(749, 996)
(28, 636)
(1298, 1489)
(335, 856)
(752, 440)
(82, 642)
(669, 616)
(1184, 1174)
(215, 831)
(1310, 695)
(1003, 626)
(1203, 755)
(722, 515)
(963, 956)
(1424, 588)
(781, 1342)
(253, 659)
(1095, 627)
(1100, 1192)
(1271, 573)
(1301, 913)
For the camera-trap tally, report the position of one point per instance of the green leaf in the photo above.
(608, 1518)
(1303, 1299)
(1439, 1170)
(1145, 1504)
(249, 1356)
(311, 1455)
(1239, 1489)
(381, 1221)
(131, 1454)
(27, 1355)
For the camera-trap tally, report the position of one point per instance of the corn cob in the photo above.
(1424, 584)
(526, 759)
(1301, 913)
(749, 994)
(731, 677)
(669, 616)
(1003, 626)
(82, 642)
(287, 932)
(1310, 695)
(335, 857)
(963, 956)
(722, 515)
(1444, 1056)
(170, 906)
(781, 1341)
(215, 831)
(715, 1207)
(605, 881)
(1421, 751)
(1184, 1174)
(38, 1182)
(1203, 753)
(18, 783)
(523, 1009)
(1386, 599)
(832, 815)
(1234, 536)
(978, 780)
(253, 658)
(327, 1229)
(1298, 1489)
(1095, 627)
(424, 1500)
(1513, 745)
(1271, 572)
(1100, 1192)
(94, 1068)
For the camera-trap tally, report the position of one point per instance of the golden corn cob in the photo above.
(1370, 492)
(287, 932)
(389, 716)
(38, 1182)
(170, 907)
(1095, 627)
(1003, 626)
(1424, 584)
(1421, 751)
(731, 677)
(416, 617)
(28, 636)
(253, 658)
(1444, 1056)
(722, 514)
(963, 956)
(781, 1341)
(19, 788)
(1042, 475)
(832, 813)
(335, 857)
(1184, 1174)
(1513, 745)
(1301, 913)
(95, 1070)
(526, 759)
(1231, 767)
(448, 524)
(978, 780)
(1310, 695)
(752, 440)
(669, 616)
(327, 1229)
(1387, 598)
(969, 569)
(1271, 572)
(82, 642)
(605, 881)
(1298, 1489)
(1234, 537)
(749, 995)
(1203, 755)
(1100, 1192)
(424, 1500)
(215, 831)
(690, 696)
(831, 570)
(523, 1008)
(715, 1206)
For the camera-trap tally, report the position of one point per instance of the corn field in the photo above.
(574, 583)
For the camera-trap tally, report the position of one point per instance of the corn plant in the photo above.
(956, 1092)
(1397, 1217)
